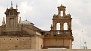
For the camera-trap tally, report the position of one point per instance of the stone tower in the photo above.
(61, 18)
(11, 18)
(60, 38)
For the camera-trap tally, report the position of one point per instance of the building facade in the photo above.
(17, 34)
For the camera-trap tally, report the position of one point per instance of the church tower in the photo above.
(61, 18)
(11, 18)
(60, 38)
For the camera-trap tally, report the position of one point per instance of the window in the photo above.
(10, 39)
(65, 26)
(61, 13)
(58, 26)
(16, 46)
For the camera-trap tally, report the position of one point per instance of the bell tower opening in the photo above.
(61, 13)
(58, 26)
(65, 26)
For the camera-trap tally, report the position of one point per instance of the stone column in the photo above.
(69, 25)
(63, 12)
(62, 26)
(54, 25)
(59, 13)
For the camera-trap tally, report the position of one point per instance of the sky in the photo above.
(40, 12)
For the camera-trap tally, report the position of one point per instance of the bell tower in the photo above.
(60, 38)
(61, 18)
(11, 17)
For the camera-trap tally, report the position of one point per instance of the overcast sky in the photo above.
(40, 12)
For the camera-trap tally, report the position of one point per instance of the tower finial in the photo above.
(20, 21)
(11, 4)
(61, 4)
(3, 22)
(51, 27)
(16, 6)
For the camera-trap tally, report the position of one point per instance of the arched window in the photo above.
(58, 26)
(61, 13)
(65, 26)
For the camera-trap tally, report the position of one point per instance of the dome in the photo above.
(26, 22)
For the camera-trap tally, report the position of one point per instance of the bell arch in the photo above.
(60, 33)
(65, 26)
(61, 13)
(58, 26)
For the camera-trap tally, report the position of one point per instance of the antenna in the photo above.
(84, 42)
(80, 42)
(85, 45)
(83, 36)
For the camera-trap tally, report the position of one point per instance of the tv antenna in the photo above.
(85, 45)
(84, 42)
